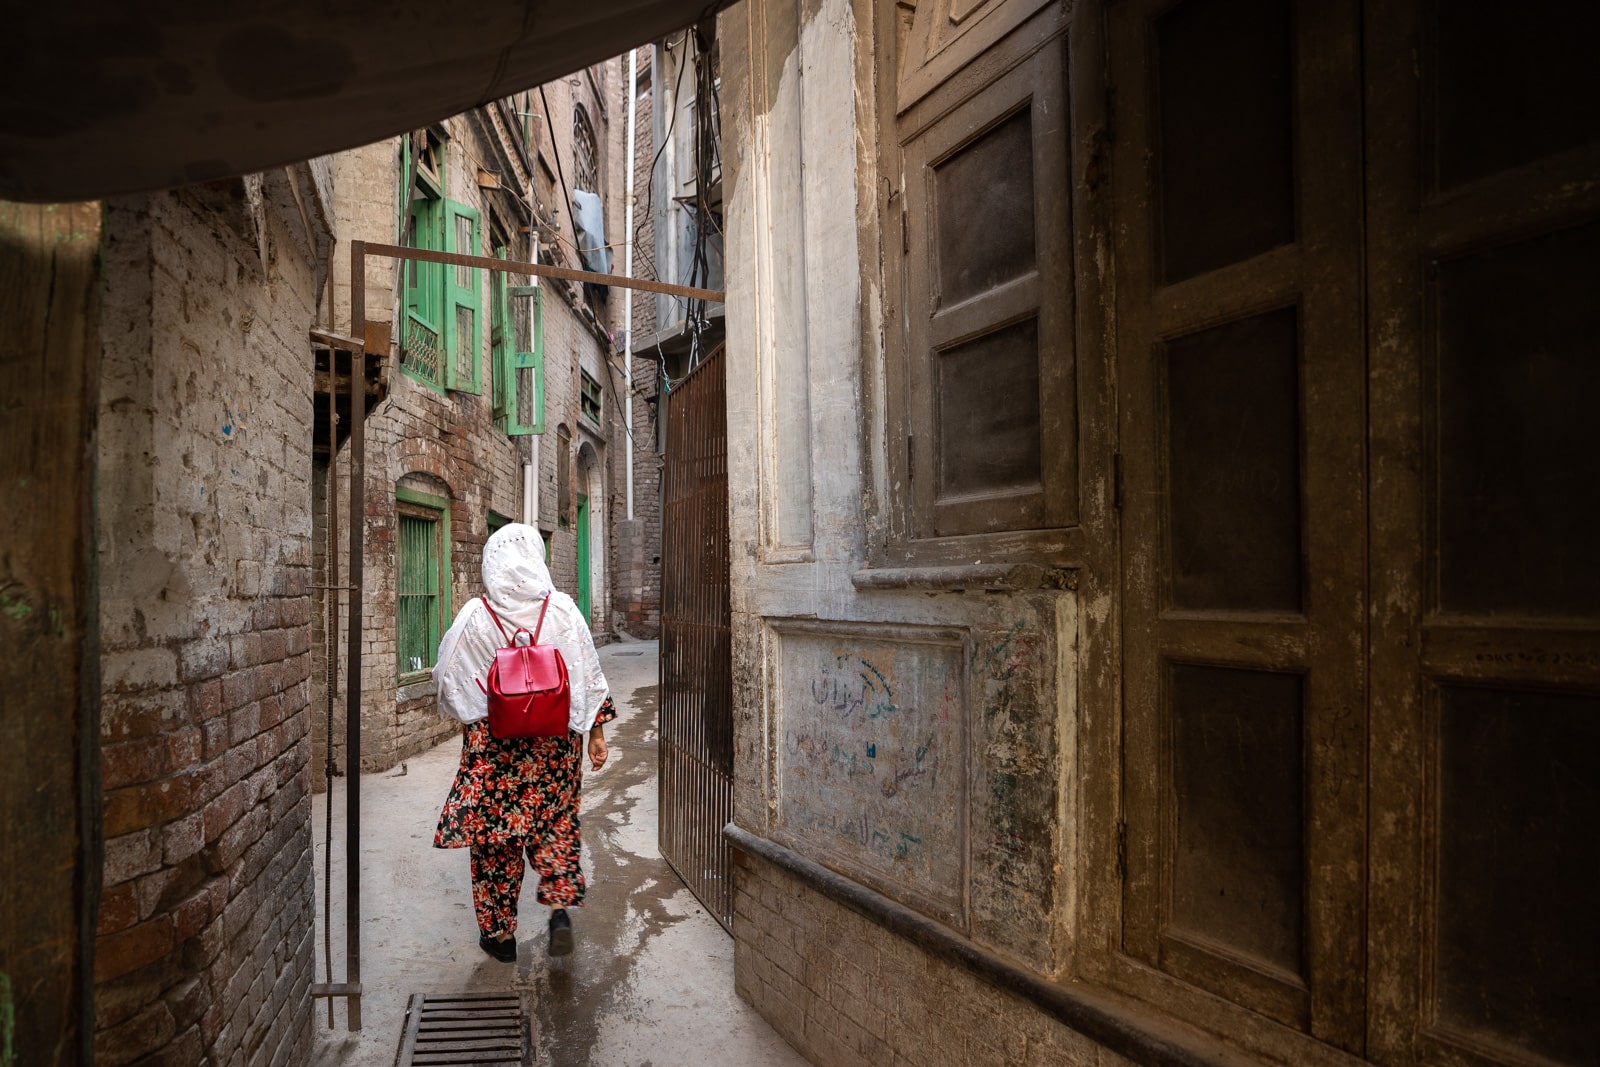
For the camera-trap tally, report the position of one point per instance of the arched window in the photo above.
(585, 152)
(422, 573)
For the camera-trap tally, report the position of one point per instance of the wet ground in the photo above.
(650, 983)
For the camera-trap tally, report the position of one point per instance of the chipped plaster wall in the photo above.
(920, 740)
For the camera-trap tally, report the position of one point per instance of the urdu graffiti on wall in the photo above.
(872, 755)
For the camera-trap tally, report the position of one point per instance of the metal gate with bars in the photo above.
(696, 736)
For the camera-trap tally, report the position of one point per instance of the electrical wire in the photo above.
(650, 187)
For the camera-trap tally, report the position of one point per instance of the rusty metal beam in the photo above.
(334, 990)
(455, 259)
(330, 649)
(331, 339)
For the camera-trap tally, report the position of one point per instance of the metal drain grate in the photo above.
(465, 1028)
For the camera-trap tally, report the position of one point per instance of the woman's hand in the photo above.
(598, 752)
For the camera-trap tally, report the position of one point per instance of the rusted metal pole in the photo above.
(542, 270)
(330, 639)
(352, 726)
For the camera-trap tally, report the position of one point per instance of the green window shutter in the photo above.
(463, 301)
(591, 399)
(524, 384)
(422, 581)
(422, 346)
(501, 380)
(417, 594)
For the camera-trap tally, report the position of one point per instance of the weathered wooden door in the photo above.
(585, 581)
(696, 735)
(1483, 274)
(1242, 409)
(1356, 366)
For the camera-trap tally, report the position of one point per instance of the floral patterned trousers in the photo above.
(512, 799)
(497, 872)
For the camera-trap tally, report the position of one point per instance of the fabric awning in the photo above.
(99, 99)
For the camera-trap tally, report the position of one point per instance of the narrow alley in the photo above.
(651, 981)
(1087, 509)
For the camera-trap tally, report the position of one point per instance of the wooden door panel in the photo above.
(1227, 189)
(1230, 396)
(1241, 383)
(987, 390)
(1515, 928)
(989, 321)
(1483, 258)
(1539, 104)
(1516, 502)
(1237, 875)
(989, 181)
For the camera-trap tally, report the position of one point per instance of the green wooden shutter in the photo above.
(422, 346)
(501, 379)
(463, 301)
(524, 386)
(417, 595)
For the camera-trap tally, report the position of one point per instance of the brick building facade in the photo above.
(638, 544)
(446, 451)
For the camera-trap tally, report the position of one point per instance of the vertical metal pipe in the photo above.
(332, 320)
(330, 639)
(627, 270)
(527, 494)
(352, 792)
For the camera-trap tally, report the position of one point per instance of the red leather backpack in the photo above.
(528, 691)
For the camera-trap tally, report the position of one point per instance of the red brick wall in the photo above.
(204, 947)
(847, 992)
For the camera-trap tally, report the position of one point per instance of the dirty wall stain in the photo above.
(872, 756)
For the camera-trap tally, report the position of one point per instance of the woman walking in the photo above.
(519, 796)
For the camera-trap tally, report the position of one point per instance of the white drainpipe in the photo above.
(530, 488)
(627, 272)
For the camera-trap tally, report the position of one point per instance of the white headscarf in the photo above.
(517, 583)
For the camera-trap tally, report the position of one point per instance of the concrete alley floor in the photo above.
(650, 983)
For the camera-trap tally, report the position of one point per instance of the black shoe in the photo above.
(504, 951)
(560, 933)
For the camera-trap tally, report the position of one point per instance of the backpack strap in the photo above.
(501, 625)
(540, 625)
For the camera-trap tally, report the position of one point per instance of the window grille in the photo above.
(585, 151)
(418, 586)
(591, 400)
(439, 338)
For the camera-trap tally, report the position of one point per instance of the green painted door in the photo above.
(584, 592)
